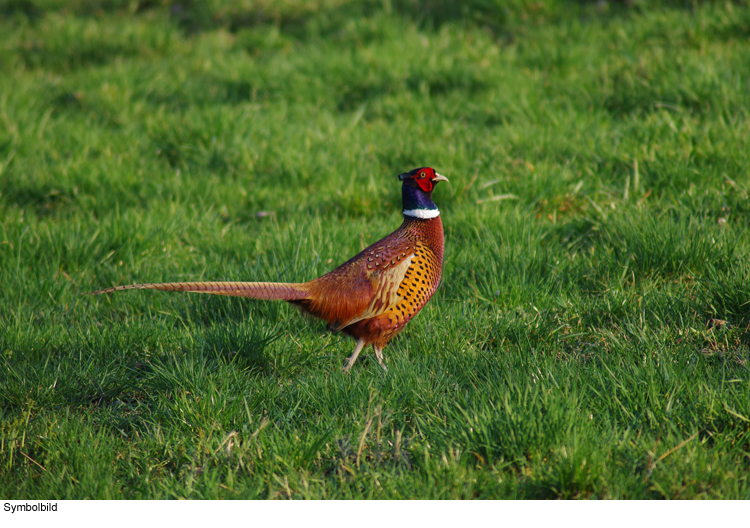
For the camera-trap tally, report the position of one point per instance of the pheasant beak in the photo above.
(439, 177)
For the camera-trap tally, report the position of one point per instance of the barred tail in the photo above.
(280, 291)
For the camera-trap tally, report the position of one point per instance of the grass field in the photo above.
(591, 335)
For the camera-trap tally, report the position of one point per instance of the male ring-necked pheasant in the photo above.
(374, 294)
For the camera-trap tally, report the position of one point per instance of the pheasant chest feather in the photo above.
(420, 282)
(407, 266)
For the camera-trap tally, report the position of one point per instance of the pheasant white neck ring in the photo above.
(424, 214)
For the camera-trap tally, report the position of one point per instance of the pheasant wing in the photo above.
(385, 290)
(364, 286)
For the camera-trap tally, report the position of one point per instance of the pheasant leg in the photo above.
(353, 358)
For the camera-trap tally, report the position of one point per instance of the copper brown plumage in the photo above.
(374, 294)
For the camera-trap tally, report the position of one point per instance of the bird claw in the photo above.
(379, 355)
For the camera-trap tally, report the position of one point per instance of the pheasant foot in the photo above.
(379, 355)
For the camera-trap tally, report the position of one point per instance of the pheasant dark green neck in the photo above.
(417, 203)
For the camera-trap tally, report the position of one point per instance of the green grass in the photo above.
(589, 340)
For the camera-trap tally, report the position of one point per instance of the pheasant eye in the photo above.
(421, 175)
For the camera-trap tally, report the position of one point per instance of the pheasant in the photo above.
(371, 296)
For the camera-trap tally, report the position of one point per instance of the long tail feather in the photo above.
(255, 290)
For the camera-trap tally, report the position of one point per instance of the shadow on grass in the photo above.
(106, 368)
(293, 18)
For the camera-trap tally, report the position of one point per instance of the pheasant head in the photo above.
(416, 192)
